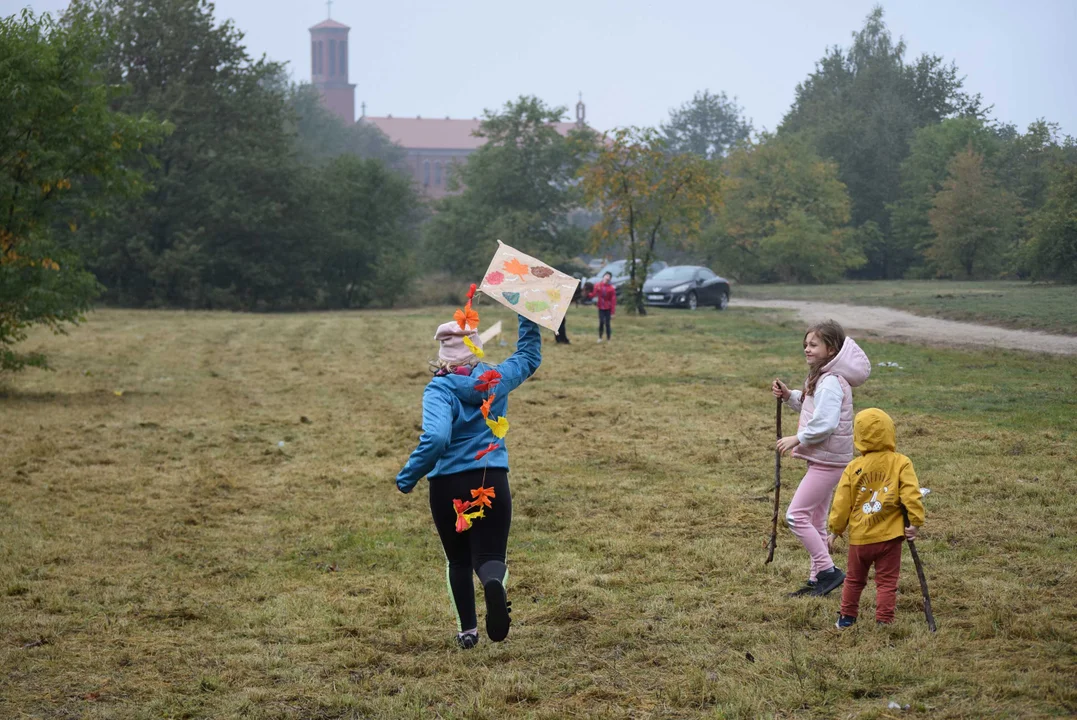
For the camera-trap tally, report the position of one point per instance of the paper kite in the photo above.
(529, 286)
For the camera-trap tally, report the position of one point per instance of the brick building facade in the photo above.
(433, 146)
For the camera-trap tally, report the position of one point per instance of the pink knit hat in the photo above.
(451, 337)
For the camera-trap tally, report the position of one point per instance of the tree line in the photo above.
(149, 161)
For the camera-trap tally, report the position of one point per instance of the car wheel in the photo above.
(723, 301)
(693, 301)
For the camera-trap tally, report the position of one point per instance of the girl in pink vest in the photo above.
(824, 438)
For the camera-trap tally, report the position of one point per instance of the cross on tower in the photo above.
(329, 7)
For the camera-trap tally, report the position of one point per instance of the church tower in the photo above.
(329, 68)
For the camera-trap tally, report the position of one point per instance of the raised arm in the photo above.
(523, 363)
(437, 431)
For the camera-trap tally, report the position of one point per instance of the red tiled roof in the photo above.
(437, 134)
(330, 25)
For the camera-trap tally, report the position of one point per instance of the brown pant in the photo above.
(886, 557)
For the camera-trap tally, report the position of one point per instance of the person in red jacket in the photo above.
(607, 303)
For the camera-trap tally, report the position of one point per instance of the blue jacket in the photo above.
(454, 429)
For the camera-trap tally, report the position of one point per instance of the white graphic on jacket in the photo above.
(874, 494)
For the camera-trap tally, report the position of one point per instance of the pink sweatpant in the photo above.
(808, 512)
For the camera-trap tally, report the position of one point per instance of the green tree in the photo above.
(518, 187)
(784, 217)
(322, 136)
(708, 126)
(370, 254)
(1054, 226)
(227, 223)
(647, 194)
(923, 173)
(60, 140)
(860, 108)
(972, 218)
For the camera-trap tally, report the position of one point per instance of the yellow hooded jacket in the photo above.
(873, 487)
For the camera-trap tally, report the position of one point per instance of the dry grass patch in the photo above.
(161, 555)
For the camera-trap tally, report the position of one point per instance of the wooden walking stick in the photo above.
(777, 484)
(920, 574)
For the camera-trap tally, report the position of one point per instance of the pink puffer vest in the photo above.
(851, 367)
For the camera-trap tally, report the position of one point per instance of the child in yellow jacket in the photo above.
(868, 500)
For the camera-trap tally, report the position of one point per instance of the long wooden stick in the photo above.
(777, 483)
(920, 574)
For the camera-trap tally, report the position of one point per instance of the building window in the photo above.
(426, 172)
(344, 58)
(437, 174)
(321, 59)
(314, 58)
(332, 57)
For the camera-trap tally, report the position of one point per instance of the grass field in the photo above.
(161, 556)
(1051, 308)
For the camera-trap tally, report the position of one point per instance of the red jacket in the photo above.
(607, 296)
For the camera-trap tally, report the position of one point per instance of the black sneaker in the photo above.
(827, 581)
(467, 640)
(808, 589)
(497, 611)
(845, 621)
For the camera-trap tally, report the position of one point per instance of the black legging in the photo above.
(604, 320)
(482, 547)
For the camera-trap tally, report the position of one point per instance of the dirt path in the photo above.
(897, 324)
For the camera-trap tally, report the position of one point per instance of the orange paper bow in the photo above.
(467, 318)
(482, 496)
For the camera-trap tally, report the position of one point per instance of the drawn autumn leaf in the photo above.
(554, 295)
(517, 268)
(537, 305)
(495, 278)
(541, 272)
(512, 297)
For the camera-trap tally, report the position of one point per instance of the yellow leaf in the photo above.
(475, 349)
(500, 428)
(118, 393)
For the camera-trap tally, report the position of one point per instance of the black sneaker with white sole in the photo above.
(497, 610)
(467, 640)
(827, 581)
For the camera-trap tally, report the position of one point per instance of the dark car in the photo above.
(618, 269)
(686, 286)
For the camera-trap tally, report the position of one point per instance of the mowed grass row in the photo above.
(162, 556)
(1031, 306)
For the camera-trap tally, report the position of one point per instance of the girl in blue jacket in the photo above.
(457, 457)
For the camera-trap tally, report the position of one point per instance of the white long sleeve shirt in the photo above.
(827, 412)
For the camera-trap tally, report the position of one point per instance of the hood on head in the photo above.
(851, 363)
(873, 431)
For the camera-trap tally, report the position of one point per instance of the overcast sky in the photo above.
(634, 60)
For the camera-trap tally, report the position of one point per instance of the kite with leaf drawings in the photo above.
(528, 286)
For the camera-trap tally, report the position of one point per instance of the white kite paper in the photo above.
(529, 286)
